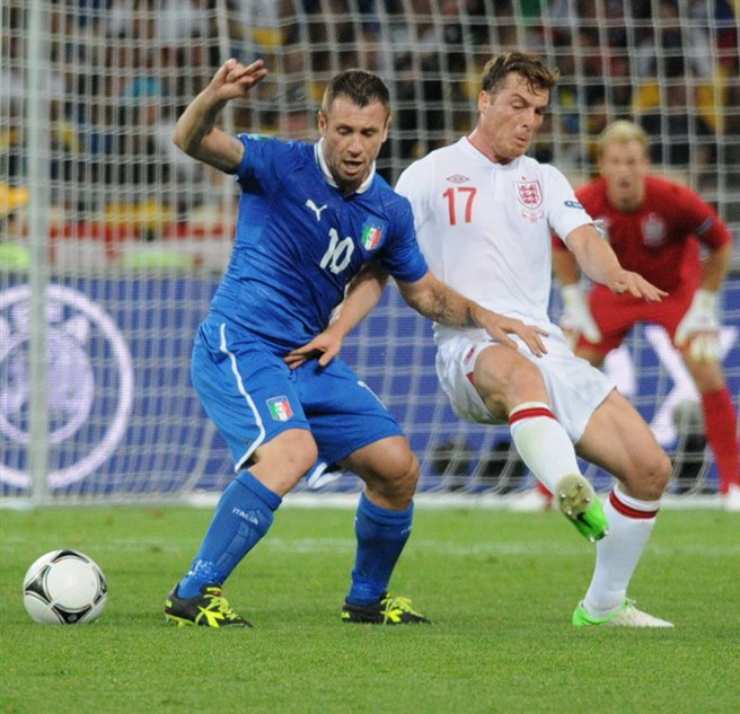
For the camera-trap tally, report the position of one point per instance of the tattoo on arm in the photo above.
(444, 305)
(201, 129)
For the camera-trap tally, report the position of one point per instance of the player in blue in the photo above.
(310, 217)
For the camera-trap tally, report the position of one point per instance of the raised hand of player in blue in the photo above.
(234, 80)
(196, 133)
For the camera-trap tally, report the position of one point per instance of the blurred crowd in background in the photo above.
(119, 72)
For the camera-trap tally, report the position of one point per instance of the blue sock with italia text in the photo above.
(243, 515)
(381, 535)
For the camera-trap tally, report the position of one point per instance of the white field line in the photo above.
(415, 547)
(423, 501)
(444, 501)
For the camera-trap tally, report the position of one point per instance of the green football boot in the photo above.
(579, 504)
(388, 610)
(625, 616)
(209, 609)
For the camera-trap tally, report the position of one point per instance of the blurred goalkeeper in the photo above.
(655, 227)
(310, 217)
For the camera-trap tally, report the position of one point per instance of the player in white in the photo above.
(484, 213)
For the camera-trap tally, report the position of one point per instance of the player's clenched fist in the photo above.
(234, 80)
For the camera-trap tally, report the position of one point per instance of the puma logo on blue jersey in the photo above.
(316, 209)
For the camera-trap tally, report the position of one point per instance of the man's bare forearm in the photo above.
(198, 119)
(565, 267)
(196, 133)
(439, 302)
(448, 308)
(594, 255)
(362, 296)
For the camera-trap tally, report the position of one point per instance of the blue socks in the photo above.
(381, 536)
(243, 515)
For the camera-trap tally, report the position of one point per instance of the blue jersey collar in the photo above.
(318, 151)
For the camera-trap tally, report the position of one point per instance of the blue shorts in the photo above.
(252, 396)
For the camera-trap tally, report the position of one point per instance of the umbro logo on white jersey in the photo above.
(457, 178)
(316, 209)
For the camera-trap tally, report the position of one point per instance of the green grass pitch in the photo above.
(500, 588)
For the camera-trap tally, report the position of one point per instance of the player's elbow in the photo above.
(416, 301)
(421, 295)
(179, 139)
(177, 135)
(411, 295)
(186, 140)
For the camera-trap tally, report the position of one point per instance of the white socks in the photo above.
(543, 444)
(631, 522)
(547, 450)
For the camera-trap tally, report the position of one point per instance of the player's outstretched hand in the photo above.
(234, 80)
(626, 281)
(499, 327)
(699, 329)
(325, 346)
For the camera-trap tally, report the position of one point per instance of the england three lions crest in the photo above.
(529, 194)
(653, 230)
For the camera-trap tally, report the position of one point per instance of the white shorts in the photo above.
(574, 387)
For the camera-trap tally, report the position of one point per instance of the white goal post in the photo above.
(112, 241)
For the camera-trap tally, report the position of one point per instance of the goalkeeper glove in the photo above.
(700, 326)
(577, 318)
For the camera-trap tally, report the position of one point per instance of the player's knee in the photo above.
(398, 480)
(664, 471)
(525, 384)
(707, 375)
(411, 473)
(305, 454)
(291, 454)
(656, 472)
(709, 382)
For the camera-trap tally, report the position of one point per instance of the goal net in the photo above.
(112, 241)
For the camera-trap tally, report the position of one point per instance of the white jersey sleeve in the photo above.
(412, 184)
(564, 211)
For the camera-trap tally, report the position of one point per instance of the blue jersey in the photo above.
(299, 241)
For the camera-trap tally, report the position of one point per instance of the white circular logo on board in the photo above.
(74, 383)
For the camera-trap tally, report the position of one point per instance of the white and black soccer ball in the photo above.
(64, 587)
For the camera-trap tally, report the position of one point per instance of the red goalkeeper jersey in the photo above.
(658, 240)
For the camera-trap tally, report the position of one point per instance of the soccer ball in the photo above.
(64, 587)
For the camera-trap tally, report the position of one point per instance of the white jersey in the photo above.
(485, 228)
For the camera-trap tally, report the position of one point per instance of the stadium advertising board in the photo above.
(124, 419)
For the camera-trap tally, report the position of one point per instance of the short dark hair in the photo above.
(537, 74)
(361, 87)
